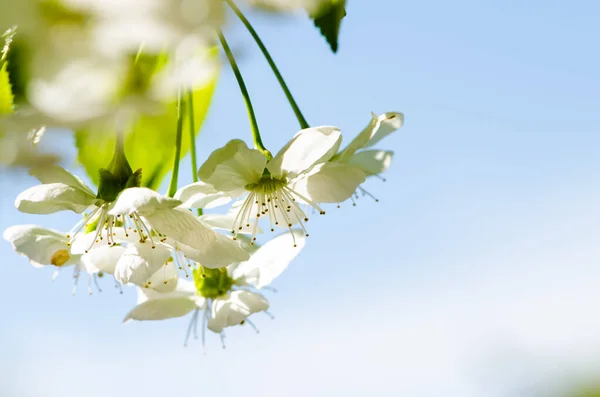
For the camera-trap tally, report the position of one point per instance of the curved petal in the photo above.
(140, 261)
(201, 195)
(386, 124)
(234, 308)
(378, 128)
(330, 183)
(270, 260)
(233, 166)
(161, 309)
(53, 197)
(372, 162)
(223, 252)
(57, 174)
(102, 258)
(181, 225)
(308, 147)
(42, 246)
(165, 279)
(141, 200)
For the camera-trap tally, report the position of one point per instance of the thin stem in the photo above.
(193, 140)
(258, 144)
(178, 139)
(263, 49)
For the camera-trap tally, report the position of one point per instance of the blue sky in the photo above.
(476, 274)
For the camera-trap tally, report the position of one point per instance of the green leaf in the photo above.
(6, 96)
(149, 142)
(329, 19)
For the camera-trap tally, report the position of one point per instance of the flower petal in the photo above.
(223, 252)
(372, 162)
(161, 309)
(386, 124)
(270, 260)
(226, 221)
(234, 308)
(42, 246)
(232, 167)
(102, 258)
(57, 174)
(330, 183)
(53, 197)
(201, 195)
(165, 279)
(181, 225)
(378, 128)
(141, 200)
(140, 261)
(308, 147)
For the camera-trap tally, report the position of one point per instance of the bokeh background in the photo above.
(476, 274)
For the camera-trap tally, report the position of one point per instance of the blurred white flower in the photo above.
(276, 188)
(222, 297)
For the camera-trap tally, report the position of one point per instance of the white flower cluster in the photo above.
(182, 263)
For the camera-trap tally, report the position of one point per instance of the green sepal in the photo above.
(211, 283)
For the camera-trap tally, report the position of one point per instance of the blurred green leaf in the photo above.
(149, 142)
(6, 97)
(329, 19)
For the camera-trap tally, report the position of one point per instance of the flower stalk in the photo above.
(290, 98)
(258, 144)
(193, 154)
(178, 140)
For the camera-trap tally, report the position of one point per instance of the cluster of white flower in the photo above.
(112, 61)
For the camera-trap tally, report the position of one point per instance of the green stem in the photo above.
(263, 49)
(178, 139)
(193, 140)
(258, 144)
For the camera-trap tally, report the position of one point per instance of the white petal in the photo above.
(182, 226)
(53, 197)
(330, 183)
(386, 124)
(56, 174)
(308, 147)
(102, 258)
(378, 128)
(140, 261)
(232, 167)
(270, 260)
(234, 308)
(161, 309)
(201, 195)
(226, 221)
(184, 289)
(141, 200)
(165, 279)
(223, 252)
(372, 162)
(42, 246)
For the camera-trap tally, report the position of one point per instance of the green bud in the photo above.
(211, 283)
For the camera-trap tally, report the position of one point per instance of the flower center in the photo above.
(211, 283)
(275, 199)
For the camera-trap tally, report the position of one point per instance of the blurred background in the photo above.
(476, 274)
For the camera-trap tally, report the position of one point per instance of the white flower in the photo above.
(223, 297)
(374, 161)
(270, 187)
(46, 247)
